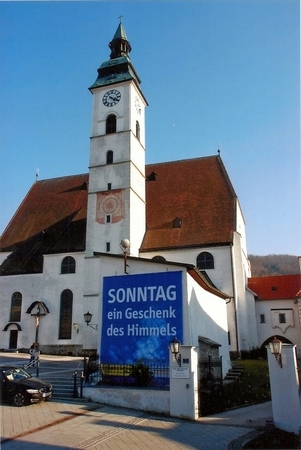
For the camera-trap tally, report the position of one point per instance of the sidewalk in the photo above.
(71, 424)
(249, 416)
(75, 425)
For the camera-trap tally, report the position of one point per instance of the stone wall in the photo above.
(142, 399)
(62, 350)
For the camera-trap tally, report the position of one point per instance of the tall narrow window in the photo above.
(16, 305)
(110, 157)
(137, 130)
(68, 265)
(205, 261)
(282, 318)
(65, 326)
(262, 318)
(111, 124)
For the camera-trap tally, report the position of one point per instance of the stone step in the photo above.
(234, 373)
(63, 388)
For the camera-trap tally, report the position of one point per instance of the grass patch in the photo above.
(252, 387)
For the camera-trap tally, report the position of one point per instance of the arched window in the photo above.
(205, 261)
(159, 258)
(66, 314)
(110, 157)
(137, 130)
(68, 265)
(111, 124)
(16, 305)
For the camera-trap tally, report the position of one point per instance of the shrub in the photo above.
(142, 374)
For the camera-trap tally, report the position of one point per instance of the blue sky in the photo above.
(216, 73)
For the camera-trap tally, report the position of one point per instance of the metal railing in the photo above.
(142, 373)
(33, 363)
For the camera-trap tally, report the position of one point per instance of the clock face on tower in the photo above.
(111, 97)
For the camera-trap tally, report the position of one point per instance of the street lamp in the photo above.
(88, 318)
(175, 348)
(125, 246)
(276, 349)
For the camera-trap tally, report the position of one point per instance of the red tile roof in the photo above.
(47, 203)
(278, 287)
(196, 191)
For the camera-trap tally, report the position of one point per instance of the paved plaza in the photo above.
(77, 424)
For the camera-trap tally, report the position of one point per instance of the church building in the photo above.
(153, 251)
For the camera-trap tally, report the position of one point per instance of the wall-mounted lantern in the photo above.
(88, 318)
(175, 348)
(276, 349)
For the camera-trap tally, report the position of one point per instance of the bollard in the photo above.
(75, 393)
(82, 377)
(38, 366)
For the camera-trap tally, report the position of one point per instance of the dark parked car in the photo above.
(19, 387)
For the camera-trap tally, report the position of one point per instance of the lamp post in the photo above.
(88, 318)
(276, 349)
(175, 348)
(125, 245)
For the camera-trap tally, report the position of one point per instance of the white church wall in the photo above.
(138, 165)
(142, 399)
(3, 256)
(208, 318)
(221, 275)
(241, 229)
(47, 288)
(244, 301)
(137, 102)
(137, 224)
(268, 321)
(30, 287)
(116, 174)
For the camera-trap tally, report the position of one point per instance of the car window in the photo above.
(16, 374)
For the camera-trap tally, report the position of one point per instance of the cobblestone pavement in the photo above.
(74, 425)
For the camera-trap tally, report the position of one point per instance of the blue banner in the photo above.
(141, 315)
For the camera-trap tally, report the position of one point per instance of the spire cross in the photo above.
(120, 17)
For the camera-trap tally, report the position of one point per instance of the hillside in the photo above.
(274, 265)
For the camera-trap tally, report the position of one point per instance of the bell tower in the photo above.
(116, 195)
